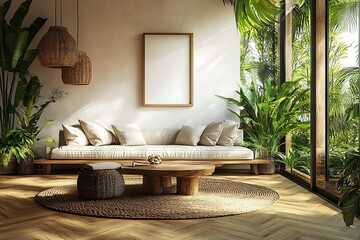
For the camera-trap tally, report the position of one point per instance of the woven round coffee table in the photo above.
(158, 177)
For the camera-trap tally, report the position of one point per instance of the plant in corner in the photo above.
(349, 188)
(268, 112)
(348, 184)
(15, 60)
(15, 144)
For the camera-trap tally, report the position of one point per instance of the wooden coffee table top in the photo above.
(171, 169)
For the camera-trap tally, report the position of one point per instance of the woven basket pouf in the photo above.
(100, 184)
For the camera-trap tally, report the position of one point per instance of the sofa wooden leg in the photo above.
(255, 169)
(47, 169)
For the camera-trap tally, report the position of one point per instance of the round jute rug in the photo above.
(216, 198)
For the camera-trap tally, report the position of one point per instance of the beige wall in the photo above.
(110, 33)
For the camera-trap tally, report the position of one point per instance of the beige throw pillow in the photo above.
(129, 135)
(97, 134)
(228, 134)
(74, 135)
(211, 134)
(189, 135)
(239, 140)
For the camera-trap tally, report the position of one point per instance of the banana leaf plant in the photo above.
(18, 95)
(15, 60)
(269, 112)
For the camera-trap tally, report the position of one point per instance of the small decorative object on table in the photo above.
(136, 163)
(152, 159)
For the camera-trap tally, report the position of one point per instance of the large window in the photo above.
(298, 143)
(342, 88)
(321, 46)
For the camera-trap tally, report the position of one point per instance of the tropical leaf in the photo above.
(35, 27)
(15, 43)
(229, 100)
(18, 17)
(343, 15)
(251, 14)
(5, 7)
(32, 91)
(350, 206)
(27, 60)
(20, 91)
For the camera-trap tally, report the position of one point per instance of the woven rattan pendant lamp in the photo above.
(57, 48)
(81, 73)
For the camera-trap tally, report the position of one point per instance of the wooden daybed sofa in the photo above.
(162, 142)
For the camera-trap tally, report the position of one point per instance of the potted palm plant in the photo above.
(268, 113)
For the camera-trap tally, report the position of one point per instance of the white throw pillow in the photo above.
(97, 134)
(129, 135)
(229, 133)
(211, 134)
(189, 135)
(74, 135)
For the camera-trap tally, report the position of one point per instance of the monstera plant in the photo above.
(15, 81)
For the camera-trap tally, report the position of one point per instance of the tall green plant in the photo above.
(18, 92)
(15, 59)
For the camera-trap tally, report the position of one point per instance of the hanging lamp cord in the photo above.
(55, 11)
(61, 13)
(77, 21)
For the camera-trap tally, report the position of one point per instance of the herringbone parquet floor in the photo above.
(298, 214)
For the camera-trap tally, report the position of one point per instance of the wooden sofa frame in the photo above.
(47, 163)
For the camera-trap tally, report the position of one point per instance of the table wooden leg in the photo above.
(166, 182)
(152, 185)
(187, 185)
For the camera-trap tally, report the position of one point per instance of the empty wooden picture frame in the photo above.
(168, 70)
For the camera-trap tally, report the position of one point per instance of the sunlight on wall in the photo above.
(111, 35)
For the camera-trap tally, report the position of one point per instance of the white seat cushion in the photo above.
(142, 152)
